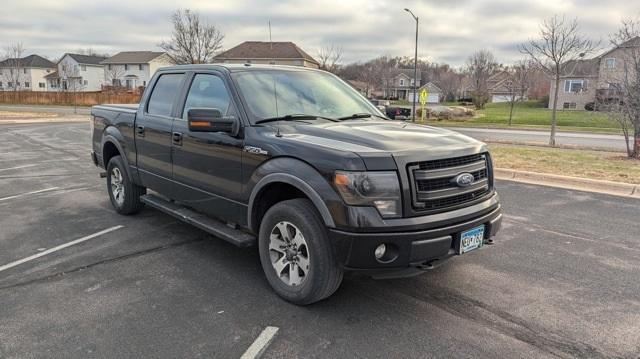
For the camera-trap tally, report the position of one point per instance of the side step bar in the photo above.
(207, 224)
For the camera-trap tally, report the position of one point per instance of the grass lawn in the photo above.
(611, 166)
(531, 115)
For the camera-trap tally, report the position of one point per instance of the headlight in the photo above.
(377, 189)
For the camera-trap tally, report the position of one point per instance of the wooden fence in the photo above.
(67, 98)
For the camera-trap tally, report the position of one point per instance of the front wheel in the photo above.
(295, 253)
(124, 194)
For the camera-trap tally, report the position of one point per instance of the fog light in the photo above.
(380, 251)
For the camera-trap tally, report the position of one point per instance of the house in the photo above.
(275, 53)
(586, 80)
(398, 83)
(361, 86)
(434, 93)
(501, 89)
(77, 72)
(25, 74)
(133, 69)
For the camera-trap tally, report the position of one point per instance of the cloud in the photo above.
(449, 30)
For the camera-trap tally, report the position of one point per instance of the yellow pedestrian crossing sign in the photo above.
(423, 97)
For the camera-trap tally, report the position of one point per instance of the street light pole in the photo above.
(415, 66)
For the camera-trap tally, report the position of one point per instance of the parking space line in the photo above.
(261, 343)
(60, 247)
(15, 168)
(28, 193)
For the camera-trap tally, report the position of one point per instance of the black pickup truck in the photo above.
(296, 161)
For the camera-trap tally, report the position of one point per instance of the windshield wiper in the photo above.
(360, 115)
(295, 117)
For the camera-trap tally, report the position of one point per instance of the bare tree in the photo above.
(90, 51)
(12, 74)
(622, 101)
(193, 40)
(329, 57)
(113, 73)
(480, 66)
(559, 46)
(517, 83)
(71, 82)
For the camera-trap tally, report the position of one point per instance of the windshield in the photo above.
(277, 93)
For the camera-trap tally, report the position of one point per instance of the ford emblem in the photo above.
(464, 179)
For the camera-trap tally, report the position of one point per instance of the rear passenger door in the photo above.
(207, 166)
(153, 132)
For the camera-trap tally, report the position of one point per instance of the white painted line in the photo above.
(28, 193)
(260, 344)
(15, 168)
(57, 248)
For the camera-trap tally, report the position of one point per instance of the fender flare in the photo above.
(108, 137)
(296, 182)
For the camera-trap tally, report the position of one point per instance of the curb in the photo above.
(45, 120)
(582, 184)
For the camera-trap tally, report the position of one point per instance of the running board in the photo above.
(207, 224)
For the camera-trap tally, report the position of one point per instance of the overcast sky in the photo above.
(449, 30)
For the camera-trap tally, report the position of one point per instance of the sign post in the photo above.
(423, 101)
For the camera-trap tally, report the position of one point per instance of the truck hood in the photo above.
(372, 136)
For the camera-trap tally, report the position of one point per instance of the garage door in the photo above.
(433, 98)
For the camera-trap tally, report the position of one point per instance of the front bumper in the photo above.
(414, 250)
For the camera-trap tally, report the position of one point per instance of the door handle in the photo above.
(140, 130)
(177, 138)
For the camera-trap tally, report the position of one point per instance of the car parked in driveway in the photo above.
(297, 162)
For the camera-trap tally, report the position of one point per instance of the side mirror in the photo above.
(211, 120)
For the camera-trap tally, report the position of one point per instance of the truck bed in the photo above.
(118, 107)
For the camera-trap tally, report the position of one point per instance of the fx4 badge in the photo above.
(256, 150)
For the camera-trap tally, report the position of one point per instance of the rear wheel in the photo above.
(124, 194)
(295, 252)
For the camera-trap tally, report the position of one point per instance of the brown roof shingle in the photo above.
(266, 50)
(132, 57)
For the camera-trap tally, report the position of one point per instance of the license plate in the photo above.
(471, 239)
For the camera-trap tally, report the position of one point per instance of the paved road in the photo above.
(601, 141)
(562, 280)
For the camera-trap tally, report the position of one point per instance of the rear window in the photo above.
(163, 95)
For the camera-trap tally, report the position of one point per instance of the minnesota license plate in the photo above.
(471, 239)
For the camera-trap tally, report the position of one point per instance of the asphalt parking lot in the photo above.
(561, 280)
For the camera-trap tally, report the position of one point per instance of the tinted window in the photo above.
(278, 93)
(164, 92)
(207, 91)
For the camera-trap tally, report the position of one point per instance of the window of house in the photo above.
(569, 105)
(140, 67)
(144, 83)
(574, 85)
(24, 71)
(26, 84)
(161, 100)
(86, 82)
(75, 68)
(610, 63)
(83, 67)
(0, 83)
(10, 84)
(41, 85)
(126, 67)
(401, 82)
(109, 67)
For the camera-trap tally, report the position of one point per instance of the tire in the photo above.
(323, 273)
(127, 201)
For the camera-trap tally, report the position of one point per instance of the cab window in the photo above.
(208, 91)
(163, 95)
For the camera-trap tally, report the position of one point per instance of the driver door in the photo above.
(207, 166)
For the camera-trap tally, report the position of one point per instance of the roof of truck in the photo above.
(237, 67)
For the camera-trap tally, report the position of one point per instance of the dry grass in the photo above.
(610, 166)
(13, 115)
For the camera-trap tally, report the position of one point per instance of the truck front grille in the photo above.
(433, 185)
